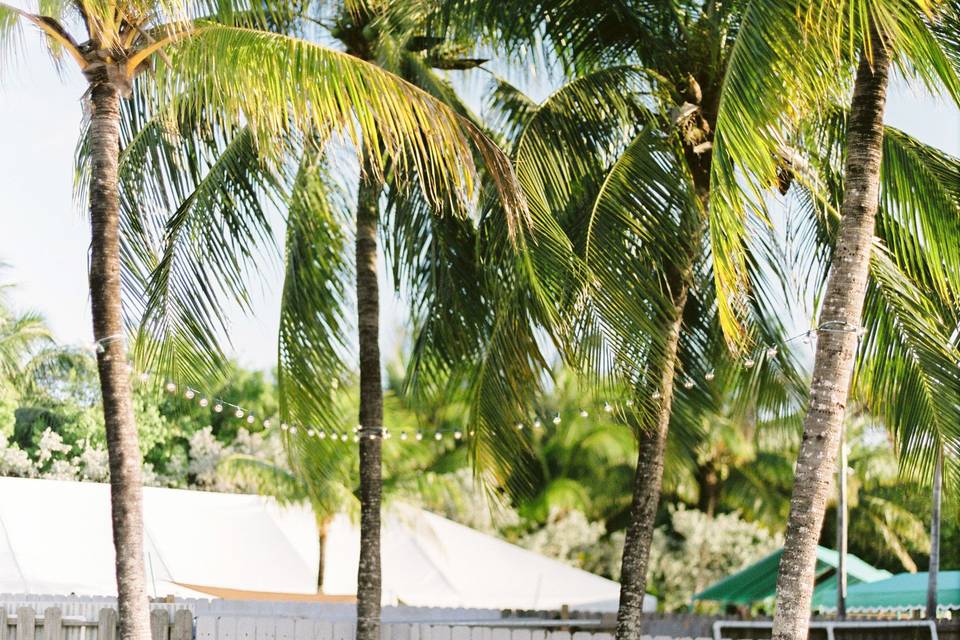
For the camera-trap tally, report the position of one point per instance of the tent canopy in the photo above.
(55, 538)
(758, 581)
(902, 592)
(431, 561)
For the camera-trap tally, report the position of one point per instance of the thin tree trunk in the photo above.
(646, 490)
(371, 409)
(836, 347)
(322, 543)
(843, 521)
(122, 442)
(934, 569)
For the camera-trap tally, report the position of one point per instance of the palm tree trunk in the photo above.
(836, 347)
(371, 408)
(646, 490)
(105, 302)
(322, 528)
(933, 569)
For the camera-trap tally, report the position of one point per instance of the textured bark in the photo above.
(646, 490)
(934, 569)
(371, 410)
(122, 442)
(833, 367)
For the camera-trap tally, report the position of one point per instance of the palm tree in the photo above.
(704, 64)
(392, 37)
(911, 31)
(262, 83)
(179, 266)
(22, 336)
(626, 154)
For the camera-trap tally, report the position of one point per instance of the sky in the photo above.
(44, 237)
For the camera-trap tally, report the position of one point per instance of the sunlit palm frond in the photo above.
(275, 84)
(907, 371)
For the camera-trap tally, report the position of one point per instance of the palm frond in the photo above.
(276, 84)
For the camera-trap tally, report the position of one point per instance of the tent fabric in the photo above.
(758, 581)
(55, 538)
(431, 561)
(903, 592)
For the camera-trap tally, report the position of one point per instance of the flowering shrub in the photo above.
(697, 550)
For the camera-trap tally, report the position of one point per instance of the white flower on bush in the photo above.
(50, 443)
(205, 455)
(567, 536)
(94, 464)
(61, 470)
(14, 461)
(700, 550)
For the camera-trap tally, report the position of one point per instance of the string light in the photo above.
(768, 352)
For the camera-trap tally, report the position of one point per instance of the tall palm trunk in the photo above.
(122, 443)
(934, 569)
(371, 408)
(646, 489)
(836, 347)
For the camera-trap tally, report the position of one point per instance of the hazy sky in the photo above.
(45, 239)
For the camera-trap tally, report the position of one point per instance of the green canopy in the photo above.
(758, 581)
(902, 592)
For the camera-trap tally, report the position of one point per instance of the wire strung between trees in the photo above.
(233, 410)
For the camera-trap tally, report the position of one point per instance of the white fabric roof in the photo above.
(55, 538)
(431, 561)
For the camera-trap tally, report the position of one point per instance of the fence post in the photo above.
(159, 624)
(107, 624)
(182, 625)
(26, 623)
(52, 624)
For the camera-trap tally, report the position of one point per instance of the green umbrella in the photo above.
(902, 592)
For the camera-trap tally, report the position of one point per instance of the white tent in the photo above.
(55, 538)
(431, 561)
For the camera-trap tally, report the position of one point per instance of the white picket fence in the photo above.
(88, 607)
(51, 623)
